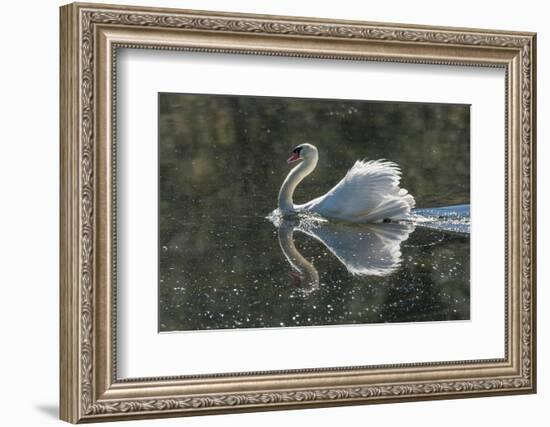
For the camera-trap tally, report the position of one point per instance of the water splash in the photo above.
(448, 218)
(305, 220)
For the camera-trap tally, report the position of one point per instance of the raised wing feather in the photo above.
(368, 193)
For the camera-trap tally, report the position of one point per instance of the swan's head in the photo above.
(303, 152)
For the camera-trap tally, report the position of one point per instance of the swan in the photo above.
(369, 193)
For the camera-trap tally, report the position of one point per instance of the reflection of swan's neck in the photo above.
(295, 176)
(295, 258)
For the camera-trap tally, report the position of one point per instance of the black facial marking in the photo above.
(297, 150)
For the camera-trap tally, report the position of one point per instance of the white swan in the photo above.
(368, 193)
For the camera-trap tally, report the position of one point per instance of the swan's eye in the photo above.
(297, 150)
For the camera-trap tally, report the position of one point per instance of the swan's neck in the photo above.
(296, 175)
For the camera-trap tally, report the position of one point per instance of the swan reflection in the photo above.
(365, 250)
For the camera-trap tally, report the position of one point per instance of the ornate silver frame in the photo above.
(90, 36)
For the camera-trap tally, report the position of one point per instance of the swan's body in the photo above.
(368, 193)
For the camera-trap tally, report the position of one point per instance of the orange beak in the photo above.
(294, 158)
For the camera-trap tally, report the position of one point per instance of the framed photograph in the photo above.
(266, 212)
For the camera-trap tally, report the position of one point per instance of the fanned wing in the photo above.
(368, 193)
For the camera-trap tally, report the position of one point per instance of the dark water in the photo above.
(224, 265)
